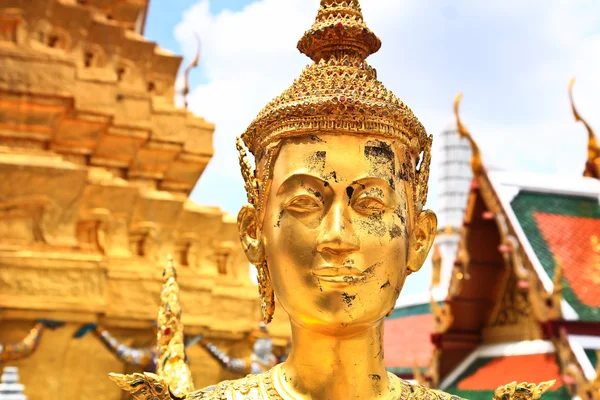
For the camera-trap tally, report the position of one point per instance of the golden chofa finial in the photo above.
(186, 73)
(592, 165)
(476, 162)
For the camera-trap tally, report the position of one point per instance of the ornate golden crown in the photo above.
(339, 94)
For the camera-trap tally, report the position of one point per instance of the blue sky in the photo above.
(164, 15)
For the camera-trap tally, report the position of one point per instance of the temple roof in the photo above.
(558, 219)
(491, 366)
(407, 338)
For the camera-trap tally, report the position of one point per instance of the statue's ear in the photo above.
(421, 239)
(250, 234)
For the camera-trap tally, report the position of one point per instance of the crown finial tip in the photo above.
(339, 30)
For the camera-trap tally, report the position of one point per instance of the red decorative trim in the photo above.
(553, 328)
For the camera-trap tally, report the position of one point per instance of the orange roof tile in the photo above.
(407, 339)
(576, 241)
(533, 368)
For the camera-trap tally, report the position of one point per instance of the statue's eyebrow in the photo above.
(296, 179)
(373, 180)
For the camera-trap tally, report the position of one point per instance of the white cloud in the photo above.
(512, 59)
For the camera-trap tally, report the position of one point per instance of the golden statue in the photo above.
(335, 221)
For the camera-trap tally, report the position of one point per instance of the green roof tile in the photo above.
(527, 203)
(408, 311)
(593, 356)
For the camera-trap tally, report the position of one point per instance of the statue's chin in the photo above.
(340, 323)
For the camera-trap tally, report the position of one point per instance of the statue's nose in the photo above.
(338, 235)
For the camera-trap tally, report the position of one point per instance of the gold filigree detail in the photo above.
(248, 173)
(146, 386)
(513, 308)
(522, 391)
(266, 292)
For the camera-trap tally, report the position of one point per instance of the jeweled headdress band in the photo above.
(338, 94)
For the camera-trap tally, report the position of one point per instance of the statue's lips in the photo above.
(338, 274)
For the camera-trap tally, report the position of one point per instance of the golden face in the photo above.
(339, 230)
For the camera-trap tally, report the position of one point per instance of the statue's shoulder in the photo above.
(511, 391)
(255, 386)
(414, 391)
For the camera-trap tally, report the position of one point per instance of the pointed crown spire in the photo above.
(339, 29)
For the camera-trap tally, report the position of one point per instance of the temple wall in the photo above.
(96, 168)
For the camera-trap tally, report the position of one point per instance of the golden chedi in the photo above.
(335, 221)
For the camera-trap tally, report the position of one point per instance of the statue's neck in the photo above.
(332, 367)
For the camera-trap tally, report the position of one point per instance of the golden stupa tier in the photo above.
(96, 165)
(78, 83)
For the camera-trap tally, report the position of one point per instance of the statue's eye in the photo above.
(158, 388)
(303, 203)
(369, 205)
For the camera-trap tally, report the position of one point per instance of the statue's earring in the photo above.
(265, 290)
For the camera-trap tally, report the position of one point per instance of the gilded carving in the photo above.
(442, 315)
(577, 383)
(522, 391)
(513, 308)
(52, 283)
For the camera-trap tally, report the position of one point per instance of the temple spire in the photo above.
(592, 165)
(10, 388)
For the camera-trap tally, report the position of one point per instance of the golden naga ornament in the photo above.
(335, 221)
